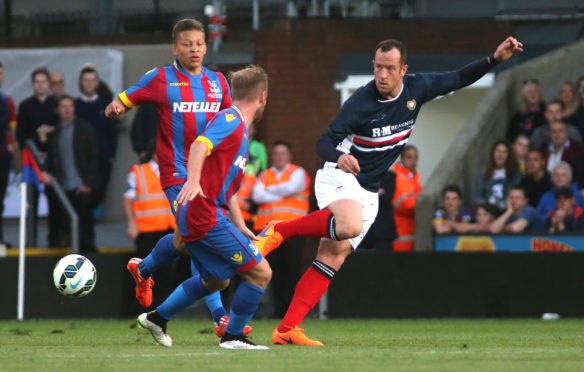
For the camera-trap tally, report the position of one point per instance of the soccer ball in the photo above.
(74, 275)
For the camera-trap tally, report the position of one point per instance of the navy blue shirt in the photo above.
(375, 130)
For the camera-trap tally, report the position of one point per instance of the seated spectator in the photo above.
(407, 188)
(537, 181)
(561, 177)
(520, 149)
(561, 148)
(501, 173)
(484, 217)
(553, 112)
(519, 216)
(570, 99)
(451, 213)
(530, 116)
(577, 119)
(567, 216)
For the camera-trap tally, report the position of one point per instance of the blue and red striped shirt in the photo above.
(227, 138)
(185, 104)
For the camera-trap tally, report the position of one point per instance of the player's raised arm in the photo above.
(116, 109)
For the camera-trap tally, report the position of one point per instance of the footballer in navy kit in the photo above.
(363, 141)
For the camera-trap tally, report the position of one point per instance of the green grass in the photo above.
(356, 345)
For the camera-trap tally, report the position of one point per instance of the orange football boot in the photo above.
(295, 336)
(269, 239)
(143, 286)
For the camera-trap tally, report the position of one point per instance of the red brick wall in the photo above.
(301, 56)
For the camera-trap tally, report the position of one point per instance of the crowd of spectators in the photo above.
(533, 179)
(76, 143)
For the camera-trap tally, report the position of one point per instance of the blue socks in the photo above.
(213, 300)
(245, 303)
(183, 296)
(163, 254)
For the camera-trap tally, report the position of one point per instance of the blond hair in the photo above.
(248, 83)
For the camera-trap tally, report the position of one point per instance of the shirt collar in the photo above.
(566, 145)
(89, 99)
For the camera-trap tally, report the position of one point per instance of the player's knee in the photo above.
(260, 275)
(348, 229)
(214, 284)
(264, 276)
(178, 243)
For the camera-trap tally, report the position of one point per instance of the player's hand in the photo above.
(189, 191)
(349, 164)
(247, 232)
(507, 48)
(132, 230)
(116, 109)
(47, 178)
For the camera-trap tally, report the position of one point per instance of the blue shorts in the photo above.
(223, 252)
(171, 193)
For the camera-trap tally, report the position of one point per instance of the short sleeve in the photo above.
(218, 129)
(144, 91)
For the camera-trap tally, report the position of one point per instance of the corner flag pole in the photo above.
(21, 254)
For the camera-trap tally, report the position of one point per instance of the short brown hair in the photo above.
(389, 44)
(63, 98)
(40, 70)
(248, 83)
(186, 24)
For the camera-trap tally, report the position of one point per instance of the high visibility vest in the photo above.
(244, 194)
(287, 209)
(407, 188)
(151, 208)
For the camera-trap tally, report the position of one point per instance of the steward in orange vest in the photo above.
(281, 191)
(146, 207)
(407, 188)
(244, 198)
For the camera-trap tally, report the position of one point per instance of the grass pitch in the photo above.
(355, 345)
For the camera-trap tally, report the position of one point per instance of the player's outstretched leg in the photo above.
(163, 254)
(319, 224)
(309, 290)
(218, 312)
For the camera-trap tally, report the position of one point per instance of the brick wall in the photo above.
(301, 56)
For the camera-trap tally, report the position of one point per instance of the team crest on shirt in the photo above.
(213, 86)
(411, 105)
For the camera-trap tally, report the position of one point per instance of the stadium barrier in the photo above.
(370, 284)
